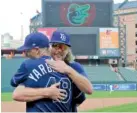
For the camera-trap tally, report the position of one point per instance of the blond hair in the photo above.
(69, 57)
(44, 51)
(41, 52)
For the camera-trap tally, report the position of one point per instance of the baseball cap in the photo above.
(60, 37)
(34, 40)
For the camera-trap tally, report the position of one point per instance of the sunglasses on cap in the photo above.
(59, 46)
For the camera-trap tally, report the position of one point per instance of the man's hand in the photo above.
(59, 66)
(55, 93)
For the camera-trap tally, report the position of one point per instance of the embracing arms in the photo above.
(77, 74)
(26, 94)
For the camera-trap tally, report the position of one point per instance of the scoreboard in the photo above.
(89, 23)
(84, 44)
(75, 13)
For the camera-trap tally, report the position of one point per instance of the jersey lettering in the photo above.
(49, 68)
(42, 68)
(66, 85)
(32, 77)
(36, 73)
(41, 71)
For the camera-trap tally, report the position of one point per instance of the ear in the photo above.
(37, 50)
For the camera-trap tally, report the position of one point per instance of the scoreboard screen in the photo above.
(75, 14)
(83, 44)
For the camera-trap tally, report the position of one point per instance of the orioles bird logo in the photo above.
(77, 14)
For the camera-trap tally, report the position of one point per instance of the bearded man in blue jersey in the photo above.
(62, 55)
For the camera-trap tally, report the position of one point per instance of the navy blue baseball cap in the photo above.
(34, 40)
(60, 37)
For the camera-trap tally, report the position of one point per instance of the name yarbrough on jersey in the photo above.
(44, 69)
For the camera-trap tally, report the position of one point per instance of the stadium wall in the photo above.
(9, 67)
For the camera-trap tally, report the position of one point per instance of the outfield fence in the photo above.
(116, 87)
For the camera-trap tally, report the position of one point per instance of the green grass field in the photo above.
(100, 94)
(122, 108)
(96, 94)
(6, 96)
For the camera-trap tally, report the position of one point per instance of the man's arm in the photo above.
(26, 94)
(81, 82)
(20, 76)
(21, 93)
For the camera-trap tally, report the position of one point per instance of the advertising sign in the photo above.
(122, 87)
(99, 86)
(109, 42)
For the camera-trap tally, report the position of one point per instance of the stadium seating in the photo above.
(129, 75)
(101, 73)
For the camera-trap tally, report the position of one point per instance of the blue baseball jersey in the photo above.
(36, 73)
(78, 96)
